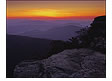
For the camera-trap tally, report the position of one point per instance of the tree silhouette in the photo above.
(93, 37)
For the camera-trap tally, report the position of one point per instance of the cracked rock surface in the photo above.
(75, 63)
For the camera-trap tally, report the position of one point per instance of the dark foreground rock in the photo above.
(76, 63)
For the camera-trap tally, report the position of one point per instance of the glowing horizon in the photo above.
(55, 9)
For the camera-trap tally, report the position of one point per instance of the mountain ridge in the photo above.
(60, 33)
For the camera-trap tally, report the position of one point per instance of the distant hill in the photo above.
(20, 48)
(60, 33)
(50, 29)
(17, 26)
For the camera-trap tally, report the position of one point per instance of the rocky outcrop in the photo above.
(75, 63)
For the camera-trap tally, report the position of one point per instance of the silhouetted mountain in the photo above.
(60, 33)
(20, 48)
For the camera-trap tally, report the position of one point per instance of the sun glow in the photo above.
(46, 12)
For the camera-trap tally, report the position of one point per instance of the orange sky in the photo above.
(55, 9)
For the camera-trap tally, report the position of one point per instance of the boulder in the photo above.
(75, 63)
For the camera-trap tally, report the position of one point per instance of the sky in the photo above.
(85, 9)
